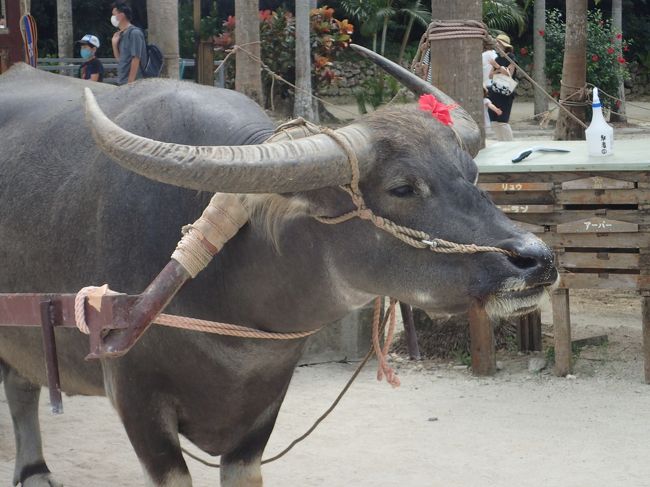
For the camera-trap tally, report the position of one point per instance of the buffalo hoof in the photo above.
(41, 480)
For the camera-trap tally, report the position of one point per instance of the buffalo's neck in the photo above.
(297, 288)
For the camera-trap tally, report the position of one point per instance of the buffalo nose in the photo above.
(533, 257)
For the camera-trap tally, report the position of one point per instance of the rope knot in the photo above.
(365, 213)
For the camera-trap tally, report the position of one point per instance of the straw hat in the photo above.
(504, 40)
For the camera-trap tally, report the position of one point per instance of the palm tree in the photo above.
(504, 15)
(416, 12)
(574, 70)
(162, 23)
(64, 27)
(248, 76)
(369, 14)
(539, 50)
(617, 24)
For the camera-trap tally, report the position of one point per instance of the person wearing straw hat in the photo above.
(92, 69)
(500, 122)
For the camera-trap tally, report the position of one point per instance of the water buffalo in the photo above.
(71, 217)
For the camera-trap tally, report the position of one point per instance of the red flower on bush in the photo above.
(619, 36)
(429, 103)
(610, 50)
(621, 60)
(265, 15)
(595, 58)
(523, 51)
(626, 48)
(230, 23)
(541, 32)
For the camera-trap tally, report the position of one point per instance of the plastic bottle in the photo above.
(600, 135)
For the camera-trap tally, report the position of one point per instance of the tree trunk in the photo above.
(316, 105)
(384, 32)
(248, 76)
(456, 63)
(64, 28)
(539, 55)
(617, 24)
(162, 23)
(574, 71)
(405, 40)
(302, 106)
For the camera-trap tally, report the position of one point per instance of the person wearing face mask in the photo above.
(129, 45)
(92, 68)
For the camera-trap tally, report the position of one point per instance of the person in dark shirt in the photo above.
(92, 68)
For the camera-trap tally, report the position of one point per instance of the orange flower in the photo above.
(345, 26)
(328, 13)
(320, 61)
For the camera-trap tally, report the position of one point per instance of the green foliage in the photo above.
(604, 66)
(550, 355)
(463, 357)
(375, 92)
(504, 15)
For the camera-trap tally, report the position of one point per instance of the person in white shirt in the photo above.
(489, 56)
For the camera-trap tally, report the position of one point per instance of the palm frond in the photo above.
(504, 15)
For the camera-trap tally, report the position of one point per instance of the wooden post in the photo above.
(561, 331)
(456, 63)
(646, 334)
(205, 63)
(409, 331)
(303, 106)
(481, 335)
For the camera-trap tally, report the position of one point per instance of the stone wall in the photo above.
(351, 76)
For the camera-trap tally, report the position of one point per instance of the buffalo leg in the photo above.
(243, 467)
(153, 432)
(22, 396)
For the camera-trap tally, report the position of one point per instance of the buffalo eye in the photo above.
(403, 191)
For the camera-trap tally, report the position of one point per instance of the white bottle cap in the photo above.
(595, 100)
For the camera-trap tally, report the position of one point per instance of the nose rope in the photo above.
(415, 238)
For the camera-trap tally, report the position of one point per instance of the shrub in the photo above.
(604, 65)
(329, 36)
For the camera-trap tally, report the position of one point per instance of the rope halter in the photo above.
(414, 238)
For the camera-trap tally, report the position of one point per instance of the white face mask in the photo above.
(114, 21)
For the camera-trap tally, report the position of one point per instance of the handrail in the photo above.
(68, 65)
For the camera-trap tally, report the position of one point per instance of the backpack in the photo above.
(154, 64)
(153, 67)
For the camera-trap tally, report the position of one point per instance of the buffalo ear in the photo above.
(326, 202)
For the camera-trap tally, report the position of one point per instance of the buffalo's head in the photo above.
(414, 171)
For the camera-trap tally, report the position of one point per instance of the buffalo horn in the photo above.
(277, 167)
(464, 124)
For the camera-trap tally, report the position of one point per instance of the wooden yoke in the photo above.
(220, 221)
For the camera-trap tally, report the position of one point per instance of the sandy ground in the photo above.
(443, 427)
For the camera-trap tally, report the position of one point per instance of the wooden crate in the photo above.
(598, 225)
